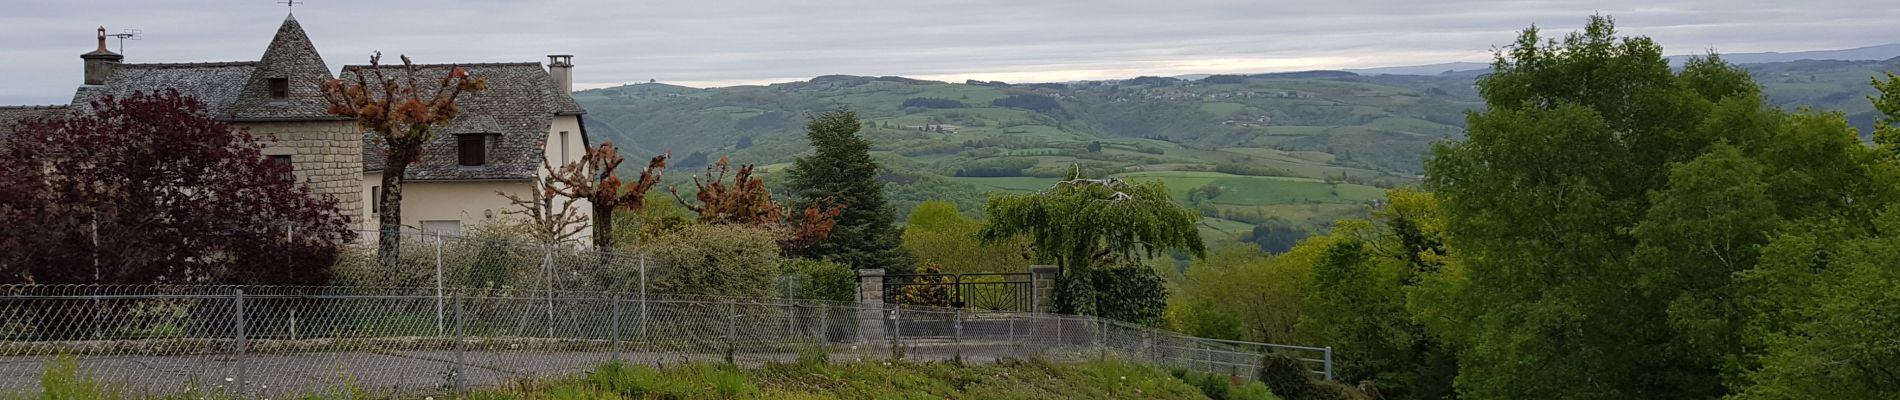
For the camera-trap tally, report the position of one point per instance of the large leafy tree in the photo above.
(1361, 279)
(1095, 231)
(1815, 306)
(1082, 222)
(1602, 206)
(149, 189)
(936, 233)
(1542, 196)
(402, 111)
(841, 170)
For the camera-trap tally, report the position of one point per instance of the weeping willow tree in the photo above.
(1095, 231)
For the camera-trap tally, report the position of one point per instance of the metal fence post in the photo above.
(1058, 330)
(824, 327)
(547, 279)
(1207, 352)
(957, 340)
(293, 322)
(461, 344)
(732, 332)
(615, 327)
(643, 296)
(1011, 339)
(897, 328)
(438, 286)
(1329, 363)
(238, 375)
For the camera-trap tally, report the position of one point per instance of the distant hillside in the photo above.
(1428, 69)
(1869, 53)
(1295, 149)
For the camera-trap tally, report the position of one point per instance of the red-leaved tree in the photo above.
(149, 189)
(746, 201)
(594, 177)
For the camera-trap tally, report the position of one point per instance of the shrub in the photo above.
(717, 260)
(1131, 293)
(822, 280)
(1212, 385)
(1287, 378)
(1251, 391)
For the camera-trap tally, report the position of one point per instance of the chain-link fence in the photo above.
(264, 340)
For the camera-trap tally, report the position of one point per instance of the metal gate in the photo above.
(1013, 292)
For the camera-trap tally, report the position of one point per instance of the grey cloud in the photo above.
(727, 42)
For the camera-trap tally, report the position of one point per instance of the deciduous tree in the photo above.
(548, 212)
(149, 189)
(746, 201)
(1083, 224)
(594, 177)
(403, 111)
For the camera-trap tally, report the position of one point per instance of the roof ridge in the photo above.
(36, 107)
(485, 64)
(192, 64)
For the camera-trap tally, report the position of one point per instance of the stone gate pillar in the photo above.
(870, 314)
(1043, 287)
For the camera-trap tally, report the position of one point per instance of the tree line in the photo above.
(1609, 228)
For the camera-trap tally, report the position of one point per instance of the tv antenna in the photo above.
(133, 34)
(290, 4)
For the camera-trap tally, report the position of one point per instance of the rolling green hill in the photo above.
(1290, 149)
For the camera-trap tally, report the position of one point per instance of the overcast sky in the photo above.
(728, 42)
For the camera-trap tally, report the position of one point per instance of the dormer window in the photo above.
(473, 150)
(279, 87)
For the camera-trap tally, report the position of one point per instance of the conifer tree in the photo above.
(841, 169)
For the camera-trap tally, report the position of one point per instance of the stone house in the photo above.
(497, 143)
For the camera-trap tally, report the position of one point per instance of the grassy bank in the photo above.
(1010, 379)
(808, 379)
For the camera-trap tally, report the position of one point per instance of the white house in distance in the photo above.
(496, 144)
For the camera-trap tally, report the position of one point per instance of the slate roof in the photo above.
(12, 115)
(518, 107)
(290, 56)
(215, 84)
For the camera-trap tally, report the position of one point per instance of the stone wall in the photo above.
(327, 155)
(870, 305)
(1043, 287)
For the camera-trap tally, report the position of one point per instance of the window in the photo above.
(564, 158)
(473, 149)
(279, 88)
(289, 169)
(375, 200)
(442, 227)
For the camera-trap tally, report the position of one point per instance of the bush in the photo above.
(1131, 293)
(1251, 391)
(716, 260)
(1289, 379)
(822, 280)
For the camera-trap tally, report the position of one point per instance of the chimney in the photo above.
(561, 66)
(99, 63)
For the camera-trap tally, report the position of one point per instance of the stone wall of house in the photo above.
(327, 155)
